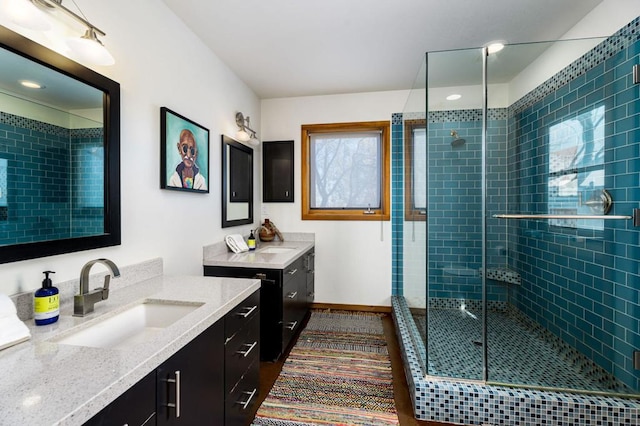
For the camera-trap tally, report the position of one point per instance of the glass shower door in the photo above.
(455, 303)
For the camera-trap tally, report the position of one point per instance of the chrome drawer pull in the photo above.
(246, 314)
(246, 403)
(177, 403)
(293, 271)
(292, 325)
(292, 295)
(245, 353)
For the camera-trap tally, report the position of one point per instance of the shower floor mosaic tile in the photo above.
(477, 403)
(519, 352)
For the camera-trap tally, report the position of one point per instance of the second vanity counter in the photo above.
(47, 383)
(287, 292)
(271, 255)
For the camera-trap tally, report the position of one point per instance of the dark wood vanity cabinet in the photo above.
(212, 380)
(242, 361)
(277, 171)
(285, 301)
(310, 267)
(137, 406)
(190, 383)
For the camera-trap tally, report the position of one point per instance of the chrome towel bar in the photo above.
(635, 217)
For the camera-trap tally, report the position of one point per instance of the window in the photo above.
(345, 171)
(576, 169)
(415, 170)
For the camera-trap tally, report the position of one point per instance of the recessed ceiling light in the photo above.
(31, 84)
(495, 47)
(454, 97)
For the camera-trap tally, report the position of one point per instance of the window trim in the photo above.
(380, 214)
(411, 214)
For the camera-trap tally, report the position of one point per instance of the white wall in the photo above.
(159, 62)
(604, 20)
(353, 258)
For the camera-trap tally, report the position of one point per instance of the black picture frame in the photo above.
(182, 168)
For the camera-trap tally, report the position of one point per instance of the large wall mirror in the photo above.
(59, 153)
(237, 183)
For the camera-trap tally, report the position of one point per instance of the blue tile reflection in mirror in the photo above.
(3, 189)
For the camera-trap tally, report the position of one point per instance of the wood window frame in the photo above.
(379, 214)
(411, 213)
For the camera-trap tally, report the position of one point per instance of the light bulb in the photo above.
(27, 15)
(242, 135)
(89, 48)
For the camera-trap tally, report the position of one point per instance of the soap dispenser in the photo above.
(46, 302)
(251, 241)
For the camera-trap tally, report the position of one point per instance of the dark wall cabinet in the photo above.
(213, 380)
(285, 296)
(277, 172)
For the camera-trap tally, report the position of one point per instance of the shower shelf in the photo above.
(503, 274)
(635, 216)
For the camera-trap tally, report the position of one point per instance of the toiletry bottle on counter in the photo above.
(251, 241)
(46, 302)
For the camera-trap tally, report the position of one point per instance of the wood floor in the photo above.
(269, 371)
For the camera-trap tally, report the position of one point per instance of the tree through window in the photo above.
(345, 171)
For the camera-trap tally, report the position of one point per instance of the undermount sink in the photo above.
(130, 327)
(276, 250)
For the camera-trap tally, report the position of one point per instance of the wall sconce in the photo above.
(31, 14)
(245, 133)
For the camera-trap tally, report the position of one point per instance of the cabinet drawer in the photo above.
(244, 397)
(290, 294)
(242, 314)
(294, 270)
(242, 350)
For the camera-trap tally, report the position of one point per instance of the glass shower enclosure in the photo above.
(520, 210)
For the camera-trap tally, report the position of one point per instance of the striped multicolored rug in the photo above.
(338, 373)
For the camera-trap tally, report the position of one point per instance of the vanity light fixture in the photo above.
(87, 47)
(245, 133)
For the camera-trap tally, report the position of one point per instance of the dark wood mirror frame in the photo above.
(111, 107)
(234, 154)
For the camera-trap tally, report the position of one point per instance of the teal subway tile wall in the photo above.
(581, 281)
(49, 178)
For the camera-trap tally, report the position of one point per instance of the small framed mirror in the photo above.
(237, 183)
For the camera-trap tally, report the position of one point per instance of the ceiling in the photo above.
(284, 48)
(58, 90)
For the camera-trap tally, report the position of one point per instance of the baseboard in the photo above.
(358, 308)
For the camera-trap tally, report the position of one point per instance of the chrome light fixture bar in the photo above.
(88, 46)
(245, 133)
(57, 4)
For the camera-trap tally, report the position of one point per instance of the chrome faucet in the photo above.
(84, 302)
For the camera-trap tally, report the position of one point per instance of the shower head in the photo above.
(457, 141)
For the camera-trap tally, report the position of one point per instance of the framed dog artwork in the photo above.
(184, 153)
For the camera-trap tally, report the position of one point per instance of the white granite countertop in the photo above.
(259, 258)
(45, 383)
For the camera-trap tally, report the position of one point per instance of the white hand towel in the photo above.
(7, 308)
(12, 331)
